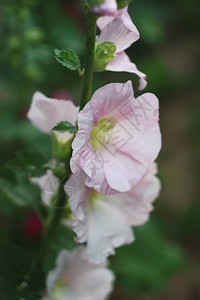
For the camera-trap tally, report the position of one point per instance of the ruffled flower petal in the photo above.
(122, 63)
(116, 158)
(75, 278)
(104, 221)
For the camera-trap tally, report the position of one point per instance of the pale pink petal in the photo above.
(103, 21)
(92, 163)
(104, 228)
(122, 171)
(78, 195)
(110, 98)
(105, 220)
(108, 7)
(122, 63)
(80, 279)
(129, 146)
(108, 230)
(121, 31)
(137, 203)
(145, 145)
(45, 112)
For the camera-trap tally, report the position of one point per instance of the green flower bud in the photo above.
(122, 3)
(60, 147)
(104, 53)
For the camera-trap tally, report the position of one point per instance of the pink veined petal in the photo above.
(122, 171)
(122, 63)
(121, 31)
(45, 112)
(91, 163)
(108, 7)
(137, 203)
(103, 21)
(108, 99)
(145, 146)
(134, 138)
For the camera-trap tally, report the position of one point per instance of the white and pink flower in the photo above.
(118, 138)
(45, 113)
(122, 32)
(104, 221)
(75, 278)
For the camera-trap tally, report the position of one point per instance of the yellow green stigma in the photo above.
(58, 289)
(101, 134)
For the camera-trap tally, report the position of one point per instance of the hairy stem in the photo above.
(89, 56)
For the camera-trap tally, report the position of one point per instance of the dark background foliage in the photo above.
(163, 263)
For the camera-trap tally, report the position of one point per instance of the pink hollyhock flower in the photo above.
(45, 113)
(108, 7)
(117, 139)
(104, 221)
(75, 278)
(122, 32)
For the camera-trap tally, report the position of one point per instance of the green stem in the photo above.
(89, 56)
(52, 225)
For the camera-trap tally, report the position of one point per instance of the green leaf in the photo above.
(68, 58)
(28, 161)
(65, 126)
(122, 3)
(22, 193)
(94, 3)
(148, 263)
(15, 264)
(64, 239)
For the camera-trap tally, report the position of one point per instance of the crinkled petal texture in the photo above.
(75, 278)
(122, 32)
(104, 221)
(48, 184)
(108, 7)
(128, 148)
(45, 113)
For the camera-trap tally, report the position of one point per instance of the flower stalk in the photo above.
(89, 55)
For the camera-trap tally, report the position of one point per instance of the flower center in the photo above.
(58, 290)
(101, 134)
(94, 198)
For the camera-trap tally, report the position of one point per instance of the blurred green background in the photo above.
(163, 263)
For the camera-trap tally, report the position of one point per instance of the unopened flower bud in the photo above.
(104, 53)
